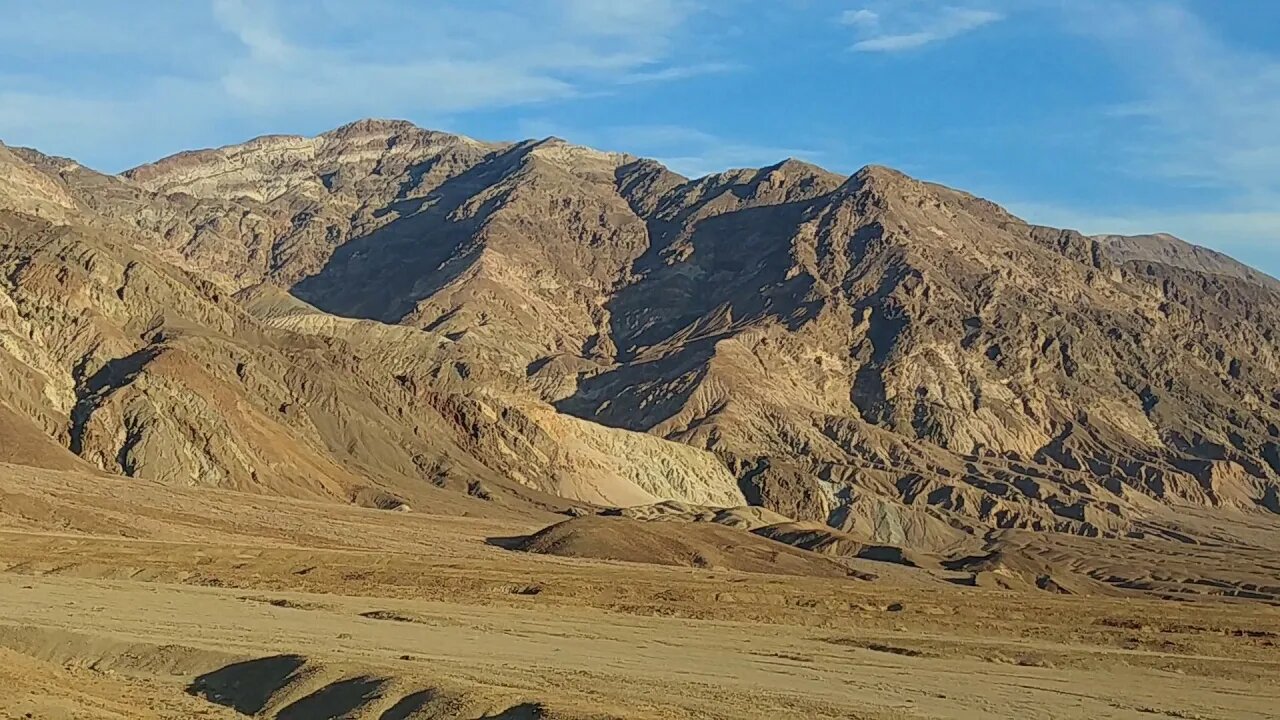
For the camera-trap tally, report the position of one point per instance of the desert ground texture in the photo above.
(124, 599)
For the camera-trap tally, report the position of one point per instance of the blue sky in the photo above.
(1104, 115)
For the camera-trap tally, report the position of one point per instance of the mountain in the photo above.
(120, 360)
(1169, 250)
(381, 310)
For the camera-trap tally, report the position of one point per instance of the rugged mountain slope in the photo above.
(919, 343)
(149, 373)
(141, 368)
(886, 355)
(386, 221)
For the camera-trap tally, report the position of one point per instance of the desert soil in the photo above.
(212, 604)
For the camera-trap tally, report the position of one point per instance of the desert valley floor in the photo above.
(127, 599)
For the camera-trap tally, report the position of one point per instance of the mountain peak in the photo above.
(372, 125)
(24, 188)
(881, 175)
(795, 168)
(1173, 251)
(565, 153)
(794, 164)
(883, 183)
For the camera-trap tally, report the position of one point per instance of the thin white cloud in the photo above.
(288, 79)
(1210, 108)
(863, 18)
(500, 68)
(677, 72)
(223, 67)
(76, 125)
(899, 26)
(622, 19)
(1204, 119)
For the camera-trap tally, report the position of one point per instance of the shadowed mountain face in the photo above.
(875, 352)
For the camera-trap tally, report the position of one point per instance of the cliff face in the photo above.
(873, 351)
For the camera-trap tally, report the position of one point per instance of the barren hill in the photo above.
(388, 308)
(147, 369)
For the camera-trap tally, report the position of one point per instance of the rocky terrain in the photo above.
(143, 368)
(484, 385)
(874, 352)
(383, 309)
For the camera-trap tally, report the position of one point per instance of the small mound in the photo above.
(813, 536)
(1008, 570)
(749, 517)
(890, 523)
(744, 517)
(667, 510)
(700, 545)
(379, 499)
(826, 540)
(291, 687)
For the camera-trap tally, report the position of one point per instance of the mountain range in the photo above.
(398, 318)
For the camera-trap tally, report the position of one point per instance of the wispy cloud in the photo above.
(208, 70)
(276, 73)
(900, 26)
(621, 19)
(1210, 109)
(677, 72)
(1203, 120)
(578, 44)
